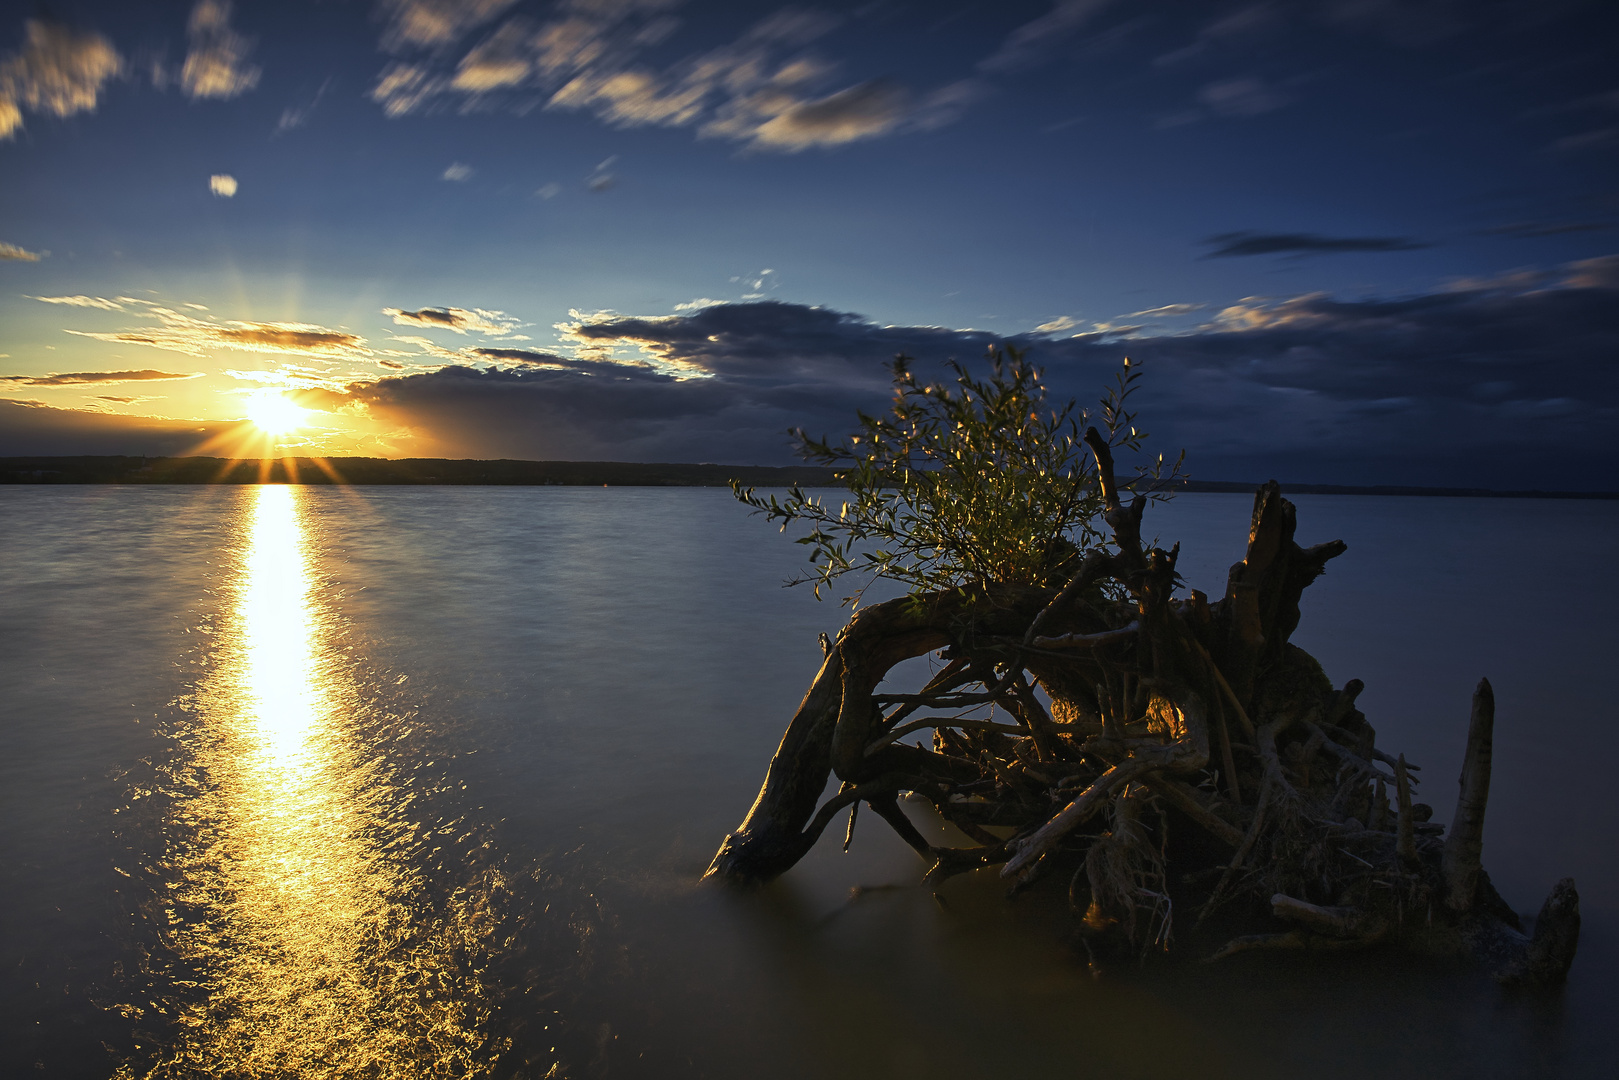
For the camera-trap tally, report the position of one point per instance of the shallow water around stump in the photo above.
(399, 782)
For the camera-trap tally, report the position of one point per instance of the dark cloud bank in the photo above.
(1509, 383)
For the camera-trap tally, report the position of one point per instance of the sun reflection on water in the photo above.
(298, 910)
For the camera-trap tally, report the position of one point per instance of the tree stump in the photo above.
(1166, 715)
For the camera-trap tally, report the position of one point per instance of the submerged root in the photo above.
(1088, 722)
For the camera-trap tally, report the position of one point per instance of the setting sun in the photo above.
(275, 414)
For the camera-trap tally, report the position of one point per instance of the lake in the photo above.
(400, 782)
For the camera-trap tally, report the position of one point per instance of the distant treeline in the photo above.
(358, 470)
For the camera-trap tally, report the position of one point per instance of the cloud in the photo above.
(1497, 384)
(215, 65)
(858, 112)
(1530, 229)
(1057, 325)
(1235, 244)
(1599, 273)
(192, 336)
(1166, 311)
(522, 356)
(1033, 42)
(762, 89)
(13, 253)
(458, 172)
(82, 301)
(548, 191)
(59, 71)
(431, 23)
(460, 320)
(1241, 97)
(1241, 23)
(89, 378)
(29, 428)
(293, 117)
(223, 184)
(1585, 140)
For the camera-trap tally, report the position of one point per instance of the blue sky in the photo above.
(1353, 240)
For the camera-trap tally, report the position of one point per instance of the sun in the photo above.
(275, 415)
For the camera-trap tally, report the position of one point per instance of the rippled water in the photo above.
(411, 782)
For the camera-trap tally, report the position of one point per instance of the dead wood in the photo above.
(1097, 719)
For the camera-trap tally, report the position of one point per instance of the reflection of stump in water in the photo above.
(1231, 773)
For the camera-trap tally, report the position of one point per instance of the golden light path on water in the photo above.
(312, 947)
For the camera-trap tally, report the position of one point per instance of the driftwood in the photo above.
(1191, 759)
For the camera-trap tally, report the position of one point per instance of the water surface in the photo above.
(403, 782)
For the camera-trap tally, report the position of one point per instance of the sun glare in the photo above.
(275, 414)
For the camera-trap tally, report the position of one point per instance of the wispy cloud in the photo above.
(1246, 96)
(13, 253)
(296, 116)
(1233, 25)
(224, 185)
(460, 320)
(82, 301)
(177, 332)
(1531, 229)
(762, 90)
(1166, 311)
(1586, 140)
(216, 63)
(1236, 244)
(458, 172)
(59, 71)
(1034, 41)
(431, 23)
(92, 378)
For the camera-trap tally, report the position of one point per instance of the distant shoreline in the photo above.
(507, 472)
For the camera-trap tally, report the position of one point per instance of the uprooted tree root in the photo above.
(1169, 718)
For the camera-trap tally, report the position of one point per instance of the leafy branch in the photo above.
(970, 481)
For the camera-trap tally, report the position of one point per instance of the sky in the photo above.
(1349, 241)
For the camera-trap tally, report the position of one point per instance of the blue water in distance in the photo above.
(529, 715)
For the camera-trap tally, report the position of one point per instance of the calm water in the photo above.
(411, 782)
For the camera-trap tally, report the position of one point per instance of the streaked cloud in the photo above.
(1232, 26)
(177, 332)
(91, 378)
(458, 172)
(1057, 325)
(216, 64)
(1236, 244)
(223, 184)
(762, 90)
(431, 23)
(460, 320)
(296, 116)
(1531, 229)
(1246, 96)
(1166, 311)
(59, 71)
(13, 253)
(1034, 42)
